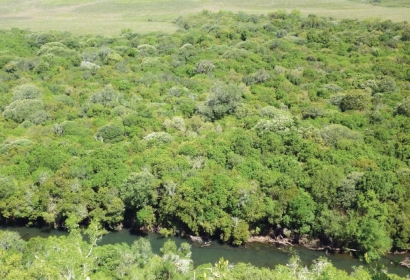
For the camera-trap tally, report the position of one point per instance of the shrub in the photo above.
(222, 100)
(176, 122)
(21, 110)
(110, 133)
(90, 55)
(281, 33)
(41, 67)
(39, 39)
(403, 108)
(347, 191)
(57, 49)
(89, 65)
(387, 85)
(39, 116)
(66, 100)
(146, 50)
(279, 123)
(27, 91)
(405, 36)
(204, 67)
(355, 101)
(272, 112)
(6, 58)
(259, 77)
(10, 240)
(161, 137)
(5, 148)
(177, 91)
(333, 133)
(151, 63)
(112, 58)
(107, 97)
(312, 112)
(73, 128)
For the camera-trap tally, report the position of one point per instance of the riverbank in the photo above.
(315, 245)
(260, 252)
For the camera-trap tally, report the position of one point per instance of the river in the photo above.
(260, 255)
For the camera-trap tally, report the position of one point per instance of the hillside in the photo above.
(235, 125)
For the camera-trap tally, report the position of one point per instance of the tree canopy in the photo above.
(234, 125)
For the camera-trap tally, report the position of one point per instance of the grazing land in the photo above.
(109, 17)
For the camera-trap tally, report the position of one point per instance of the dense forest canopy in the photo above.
(235, 125)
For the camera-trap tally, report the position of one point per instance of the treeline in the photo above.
(233, 126)
(77, 256)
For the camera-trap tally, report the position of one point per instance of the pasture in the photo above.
(109, 17)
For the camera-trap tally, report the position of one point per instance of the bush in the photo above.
(110, 133)
(301, 213)
(387, 85)
(146, 50)
(41, 67)
(177, 123)
(21, 110)
(107, 97)
(333, 133)
(355, 101)
(6, 58)
(57, 49)
(39, 117)
(403, 108)
(347, 191)
(4, 149)
(151, 63)
(89, 66)
(161, 137)
(222, 100)
(75, 128)
(39, 39)
(27, 91)
(204, 67)
(259, 77)
(64, 99)
(279, 123)
(312, 112)
(281, 33)
(10, 240)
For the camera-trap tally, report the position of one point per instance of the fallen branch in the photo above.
(267, 239)
(405, 262)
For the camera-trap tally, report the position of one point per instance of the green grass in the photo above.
(110, 16)
(396, 3)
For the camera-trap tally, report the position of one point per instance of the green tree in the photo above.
(300, 214)
(355, 101)
(110, 133)
(146, 217)
(373, 239)
(27, 91)
(139, 190)
(22, 110)
(10, 240)
(222, 100)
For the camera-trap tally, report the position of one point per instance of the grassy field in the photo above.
(110, 16)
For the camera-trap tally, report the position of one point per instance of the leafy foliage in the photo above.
(235, 124)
